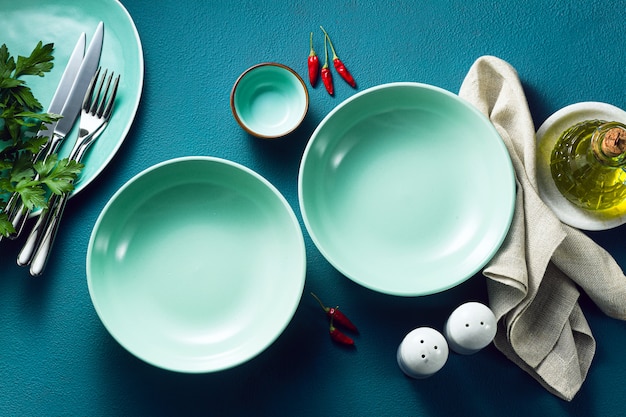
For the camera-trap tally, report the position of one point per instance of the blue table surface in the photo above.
(56, 358)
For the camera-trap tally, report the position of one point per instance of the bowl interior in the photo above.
(406, 189)
(270, 100)
(196, 265)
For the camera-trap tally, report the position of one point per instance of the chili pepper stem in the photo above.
(339, 66)
(319, 301)
(312, 51)
(325, 52)
(332, 48)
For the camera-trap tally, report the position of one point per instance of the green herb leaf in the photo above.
(61, 178)
(35, 143)
(22, 168)
(10, 82)
(41, 117)
(7, 63)
(5, 184)
(32, 193)
(24, 96)
(38, 63)
(6, 227)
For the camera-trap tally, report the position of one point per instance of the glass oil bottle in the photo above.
(588, 164)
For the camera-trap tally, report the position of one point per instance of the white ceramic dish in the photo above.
(196, 265)
(406, 189)
(547, 135)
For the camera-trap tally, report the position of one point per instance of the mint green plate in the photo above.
(24, 23)
(406, 189)
(196, 264)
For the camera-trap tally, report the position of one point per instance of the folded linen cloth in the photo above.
(533, 281)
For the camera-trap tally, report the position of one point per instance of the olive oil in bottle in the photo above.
(588, 164)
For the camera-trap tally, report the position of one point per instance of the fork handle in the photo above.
(51, 226)
(32, 241)
(14, 209)
(38, 250)
(18, 217)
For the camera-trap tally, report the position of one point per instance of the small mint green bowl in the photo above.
(406, 189)
(269, 100)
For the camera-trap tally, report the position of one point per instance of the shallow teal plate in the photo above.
(24, 23)
(196, 265)
(406, 189)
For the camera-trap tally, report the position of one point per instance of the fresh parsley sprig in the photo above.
(21, 117)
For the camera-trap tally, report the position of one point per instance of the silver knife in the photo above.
(14, 208)
(72, 107)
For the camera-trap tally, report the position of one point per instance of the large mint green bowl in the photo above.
(406, 189)
(196, 265)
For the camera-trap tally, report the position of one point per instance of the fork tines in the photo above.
(96, 105)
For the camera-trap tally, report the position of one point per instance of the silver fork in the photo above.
(95, 114)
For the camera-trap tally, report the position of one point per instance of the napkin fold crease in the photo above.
(533, 281)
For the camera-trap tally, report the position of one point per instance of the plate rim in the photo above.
(290, 313)
(501, 236)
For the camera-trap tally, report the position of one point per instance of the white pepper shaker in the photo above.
(422, 353)
(470, 327)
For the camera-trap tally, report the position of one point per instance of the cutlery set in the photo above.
(86, 90)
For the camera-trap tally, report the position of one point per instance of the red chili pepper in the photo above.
(334, 314)
(314, 64)
(339, 66)
(327, 78)
(338, 336)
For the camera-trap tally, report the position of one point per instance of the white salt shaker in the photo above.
(470, 327)
(422, 353)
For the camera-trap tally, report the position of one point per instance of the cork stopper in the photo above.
(614, 142)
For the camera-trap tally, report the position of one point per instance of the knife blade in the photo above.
(65, 85)
(86, 71)
(14, 208)
(70, 110)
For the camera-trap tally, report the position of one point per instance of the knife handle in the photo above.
(32, 241)
(18, 220)
(11, 209)
(51, 226)
(17, 214)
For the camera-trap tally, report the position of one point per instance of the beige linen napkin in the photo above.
(533, 281)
